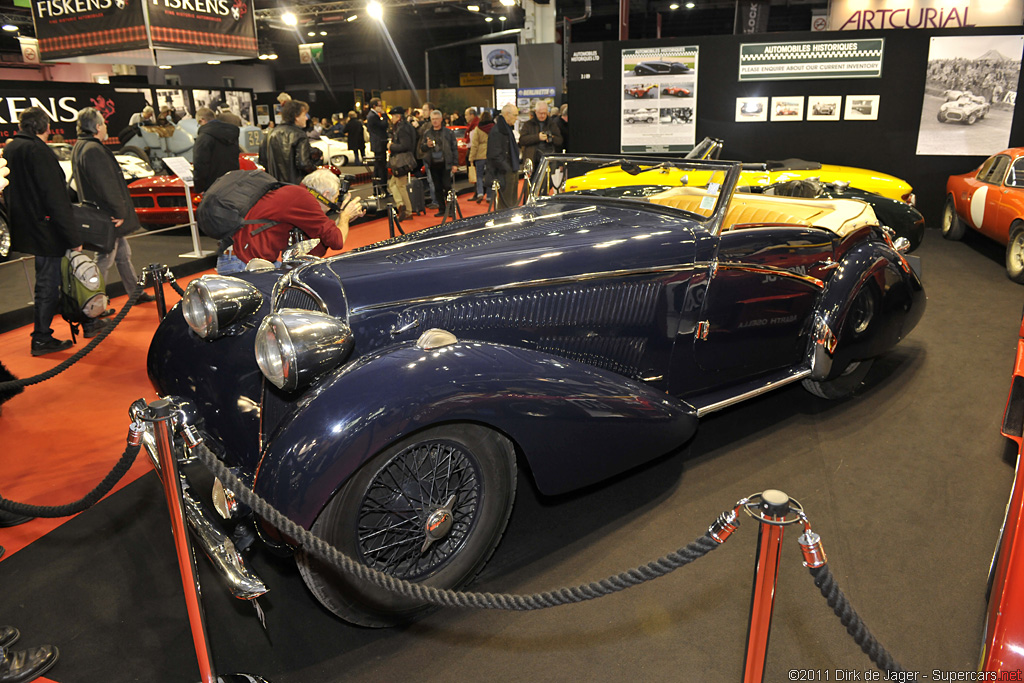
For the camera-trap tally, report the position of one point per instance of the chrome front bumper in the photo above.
(242, 582)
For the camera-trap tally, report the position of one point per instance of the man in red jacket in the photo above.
(303, 207)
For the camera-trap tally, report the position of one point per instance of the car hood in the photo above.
(158, 182)
(552, 242)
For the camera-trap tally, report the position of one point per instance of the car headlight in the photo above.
(215, 302)
(294, 346)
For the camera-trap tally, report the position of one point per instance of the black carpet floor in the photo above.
(906, 483)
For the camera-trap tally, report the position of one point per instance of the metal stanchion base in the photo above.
(196, 254)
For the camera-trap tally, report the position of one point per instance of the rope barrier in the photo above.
(67, 363)
(450, 598)
(103, 488)
(848, 617)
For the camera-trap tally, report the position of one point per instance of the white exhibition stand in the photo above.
(183, 169)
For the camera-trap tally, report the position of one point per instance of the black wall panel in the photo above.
(888, 144)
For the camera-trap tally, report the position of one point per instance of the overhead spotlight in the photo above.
(272, 55)
(323, 33)
(690, 5)
(508, 3)
(352, 17)
(290, 19)
(10, 28)
(375, 10)
(164, 66)
(213, 62)
(311, 34)
(473, 8)
(264, 56)
(488, 19)
(674, 5)
(502, 18)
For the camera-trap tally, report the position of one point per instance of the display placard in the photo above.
(659, 99)
(813, 59)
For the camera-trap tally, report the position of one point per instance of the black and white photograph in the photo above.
(861, 107)
(824, 107)
(637, 116)
(749, 109)
(969, 94)
(676, 115)
(214, 99)
(240, 102)
(173, 98)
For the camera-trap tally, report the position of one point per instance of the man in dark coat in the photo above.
(503, 157)
(540, 135)
(355, 136)
(378, 128)
(216, 150)
(402, 148)
(41, 220)
(99, 180)
(285, 151)
(439, 152)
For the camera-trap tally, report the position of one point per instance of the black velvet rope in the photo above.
(82, 353)
(174, 285)
(848, 617)
(450, 598)
(84, 503)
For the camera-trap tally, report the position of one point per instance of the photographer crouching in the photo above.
(307, 208)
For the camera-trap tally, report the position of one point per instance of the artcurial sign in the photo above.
(222, 26)
(857, 15)
(72, 28)
(69, 28)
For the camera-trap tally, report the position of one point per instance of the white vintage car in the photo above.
(337, 152)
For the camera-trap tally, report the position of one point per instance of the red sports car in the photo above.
(1004, 630)
(462, 142)
(640, 91)
(675, 91)
(990, 199)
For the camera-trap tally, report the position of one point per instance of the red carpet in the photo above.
(60, 437)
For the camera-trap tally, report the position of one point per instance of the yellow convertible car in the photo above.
(753, 174)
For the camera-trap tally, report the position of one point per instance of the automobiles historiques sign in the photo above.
(659, 99)
(813, 59)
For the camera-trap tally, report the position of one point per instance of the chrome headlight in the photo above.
(215, 302)
(295, 346)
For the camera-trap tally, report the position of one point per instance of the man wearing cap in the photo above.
(378, 129)
(403, 160)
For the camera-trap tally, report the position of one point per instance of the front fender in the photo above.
(574, 423)
(900, 303)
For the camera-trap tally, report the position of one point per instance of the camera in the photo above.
(370, 206)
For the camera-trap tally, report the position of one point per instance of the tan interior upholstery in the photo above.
(841, 216)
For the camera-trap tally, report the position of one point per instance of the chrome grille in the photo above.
(292, 297)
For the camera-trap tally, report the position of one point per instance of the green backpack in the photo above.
(82, 292)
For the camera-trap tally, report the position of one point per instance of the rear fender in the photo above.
(880, 272)
(574, 423)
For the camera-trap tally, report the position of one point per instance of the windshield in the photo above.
(698, 187)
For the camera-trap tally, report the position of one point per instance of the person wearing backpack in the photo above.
(40, 219)
(101, 182)
(269, 223)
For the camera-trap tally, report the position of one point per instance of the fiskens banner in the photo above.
(219, 26)
(71, 28)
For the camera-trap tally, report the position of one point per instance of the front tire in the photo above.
(1015, 254)
(859, 322)
(952, 227)
(454, 482)
(843, 385)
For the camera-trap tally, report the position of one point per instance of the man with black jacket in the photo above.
(285, 152)
(439, 152)
(216, 150)
(540, 135)
(503, 157)
(41, 220)
(377, 126)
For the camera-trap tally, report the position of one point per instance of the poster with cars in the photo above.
(969, 94)
(861, 107)
(659, 99)
(788, 108)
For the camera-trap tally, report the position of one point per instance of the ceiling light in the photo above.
(213, 62)
(502, 18)
(311, 34)
(264, 56)
(375, 10)
(508, 3)
(164, 66)
(323, 33)
(272, 55)
(352, 18)
(10, 28)
(488, 18)
(290, 19)
(473, 8)
(674, 5)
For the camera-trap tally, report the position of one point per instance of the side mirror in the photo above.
(527, 168)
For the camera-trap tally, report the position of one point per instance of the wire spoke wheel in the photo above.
(430, 508)
(401, 507)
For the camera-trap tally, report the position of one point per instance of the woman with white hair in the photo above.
(99, 180)
(307, 208)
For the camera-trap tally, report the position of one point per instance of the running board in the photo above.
(727, 397)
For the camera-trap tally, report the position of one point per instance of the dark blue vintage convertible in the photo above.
(385, 398)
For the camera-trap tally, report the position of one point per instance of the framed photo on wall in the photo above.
(788, 108)
(861, 108)
(824, 107)
(751, 109)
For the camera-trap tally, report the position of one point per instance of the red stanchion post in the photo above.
(773, 507)
(162, 412)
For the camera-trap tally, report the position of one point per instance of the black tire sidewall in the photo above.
(366, 604)
(954, 228)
